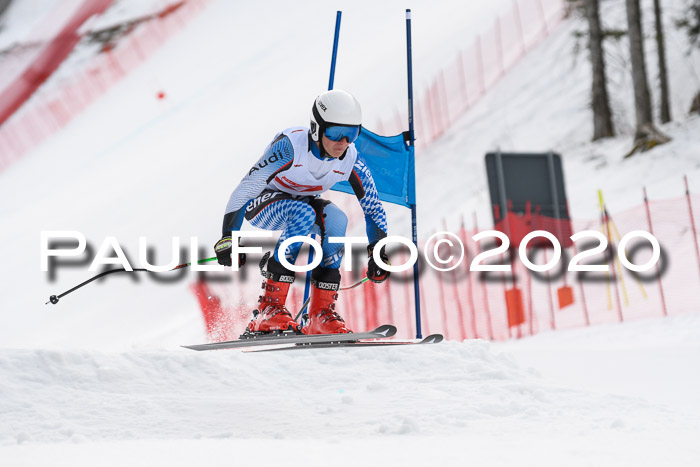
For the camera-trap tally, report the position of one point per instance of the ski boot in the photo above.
(272, 315)
(322, 317)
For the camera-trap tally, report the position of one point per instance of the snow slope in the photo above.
(656, 360)
(133, 165)
(99, 378)
(448, 404)
(542, 104)
(28, 21)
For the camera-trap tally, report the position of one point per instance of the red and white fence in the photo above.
(465, 305)
(476, 69)
(47, 111)
(454, 89)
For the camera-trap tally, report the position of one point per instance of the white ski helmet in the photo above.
(334, 107)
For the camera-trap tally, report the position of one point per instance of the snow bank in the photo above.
(451, 402)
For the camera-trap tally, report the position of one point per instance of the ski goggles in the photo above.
(337, 133)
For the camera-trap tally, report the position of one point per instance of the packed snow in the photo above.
(449, 403)
(100, 379)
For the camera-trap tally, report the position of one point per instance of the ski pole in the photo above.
(54, 298)
(306, 302)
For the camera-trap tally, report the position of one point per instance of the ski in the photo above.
(431, 339)
(381, 332)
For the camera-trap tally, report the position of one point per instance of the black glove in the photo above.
(374, 272)
(223, 250)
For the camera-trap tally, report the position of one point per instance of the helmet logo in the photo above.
(323, 107)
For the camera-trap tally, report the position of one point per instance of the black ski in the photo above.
(381, 332)
(431, 339)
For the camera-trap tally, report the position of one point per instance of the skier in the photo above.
(282, 192)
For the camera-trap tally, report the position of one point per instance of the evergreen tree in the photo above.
(642, 98)
(691, 24)
(665, 110)
(646, 135)
(602, 117)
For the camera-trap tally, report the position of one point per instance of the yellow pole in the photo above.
(641, 287)
(603, 224)
(606, 219)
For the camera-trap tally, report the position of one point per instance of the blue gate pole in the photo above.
(338, 15)
(335, 48)
(412, 179)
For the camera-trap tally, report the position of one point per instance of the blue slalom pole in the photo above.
(412, 181)
(307, 286)
(335, 48)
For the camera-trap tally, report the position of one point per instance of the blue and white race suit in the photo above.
(282, 192)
